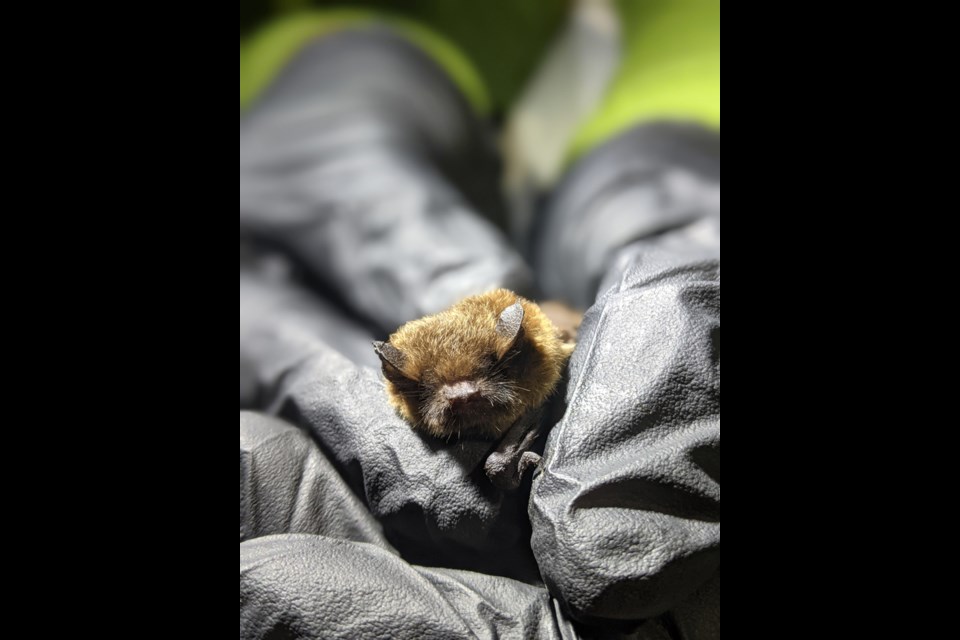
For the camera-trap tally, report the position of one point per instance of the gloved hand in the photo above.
(314, 563)
(626, 511)
(364, 163)
(624, 514)
(333, 575)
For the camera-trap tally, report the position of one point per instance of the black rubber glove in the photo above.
(334, 575)
(267, 282)
(364, 163)
(656, 181)
(288, 486)
(626, 511)
(316, 587)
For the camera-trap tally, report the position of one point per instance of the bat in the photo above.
(482, 369)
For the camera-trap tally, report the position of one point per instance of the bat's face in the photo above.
(472, 370)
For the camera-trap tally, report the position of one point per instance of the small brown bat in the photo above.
(482, 369)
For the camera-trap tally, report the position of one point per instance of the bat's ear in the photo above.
(392, 358)
(510, 325)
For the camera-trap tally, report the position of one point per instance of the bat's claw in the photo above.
(507, 472)
(507, 466)
(529, 460)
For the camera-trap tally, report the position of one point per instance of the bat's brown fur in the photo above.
(462, 345)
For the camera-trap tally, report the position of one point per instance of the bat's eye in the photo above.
(511, 355)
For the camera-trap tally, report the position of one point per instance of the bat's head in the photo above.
(474, 369)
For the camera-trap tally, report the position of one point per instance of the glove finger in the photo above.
(288, 486)
(314, 587)
(328, 324)
(645, 185)
(626, 513)
(367, 166)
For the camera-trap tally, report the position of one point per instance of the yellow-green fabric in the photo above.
(671, 69)
(264, 54)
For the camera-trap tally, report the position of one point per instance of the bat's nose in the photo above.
(461, 392)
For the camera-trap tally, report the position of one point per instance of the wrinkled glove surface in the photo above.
(353, 526)
(364, 163)
(314, 562)
(626, 512)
